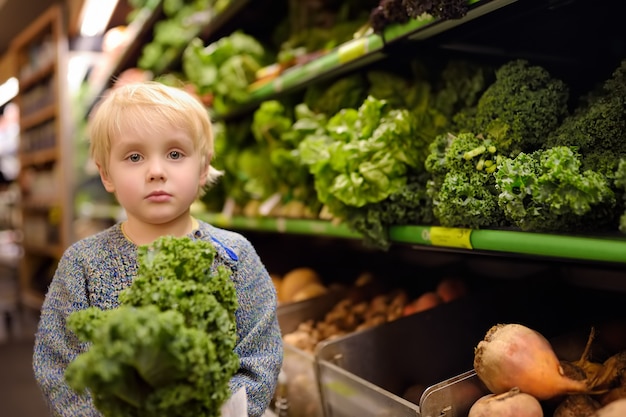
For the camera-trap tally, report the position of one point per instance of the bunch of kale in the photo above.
(168, 349)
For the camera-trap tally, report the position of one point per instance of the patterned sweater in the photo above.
(93, 271)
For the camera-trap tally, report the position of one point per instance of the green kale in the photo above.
(460, 87)
(168, 349)
(518, 110)
(547, 191)
(462, 184)
(598, 125)
(410, 205)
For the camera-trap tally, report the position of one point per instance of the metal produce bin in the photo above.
(455, 396)
(299, 367)
(367, 373)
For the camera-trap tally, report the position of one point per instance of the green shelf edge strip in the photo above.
(513, 242)
(523, 243)
(279, 225)
(571, 247)
(341, 55)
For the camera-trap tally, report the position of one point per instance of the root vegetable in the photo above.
(513, 355)
(424, 302)
(295, 280)
(512, 403)
(579, 405)
(614, 409)
(451, 288)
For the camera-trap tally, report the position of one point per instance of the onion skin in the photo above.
(513, 355)
(512, 403)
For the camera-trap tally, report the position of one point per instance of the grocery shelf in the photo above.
(279, 225)
(585, 248)
(589, 248)
(214, 22)
(136, 30)
(362, 51)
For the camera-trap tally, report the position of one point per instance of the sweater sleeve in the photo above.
(56, 346)
(259, 346)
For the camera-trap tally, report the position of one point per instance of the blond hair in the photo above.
(145, 107)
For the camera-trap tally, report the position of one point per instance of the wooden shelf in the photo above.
(39, 116)
(40, 157)
(42, 73)
(41, 55)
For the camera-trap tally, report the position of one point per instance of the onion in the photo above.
(512, 403)
(513, 355)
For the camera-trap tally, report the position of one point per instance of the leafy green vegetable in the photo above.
(520, 109)
(330, 98)
(168, 349)
(361, 161)
(364, 156)
(546, 191)
(274, 130)
(224, 68)
(598, 125)
(462, 185)
(410, 205)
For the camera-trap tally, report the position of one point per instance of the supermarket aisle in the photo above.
(19, 395)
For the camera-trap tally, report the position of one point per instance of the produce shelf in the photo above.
(368, 49)
(279, 225)
(214, 22)
(600, 249)
(135, 31)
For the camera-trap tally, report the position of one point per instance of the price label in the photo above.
(451, 237)
(352, 50)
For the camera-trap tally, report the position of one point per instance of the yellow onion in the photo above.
(513, 355)
(512, 403)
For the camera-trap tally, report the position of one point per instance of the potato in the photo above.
(311, 290)
(295, 280)
(512, 403)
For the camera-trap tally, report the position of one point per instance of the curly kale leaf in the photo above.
(461, 85)
(462, 185)
(441, 9)
(598, 125)
(168, 349)
(520, 109)
(410, 205)
(547, 191)
(387, 13)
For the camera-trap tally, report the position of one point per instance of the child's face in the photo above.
(155, 174)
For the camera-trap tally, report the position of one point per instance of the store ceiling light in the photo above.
(8, 90)
(95, 16)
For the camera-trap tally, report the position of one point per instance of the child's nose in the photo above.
(156, 171)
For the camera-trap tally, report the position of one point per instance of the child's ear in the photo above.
(206, 168)
(106, 181)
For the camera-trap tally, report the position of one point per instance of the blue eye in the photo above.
(175, 155)
(134, 157)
